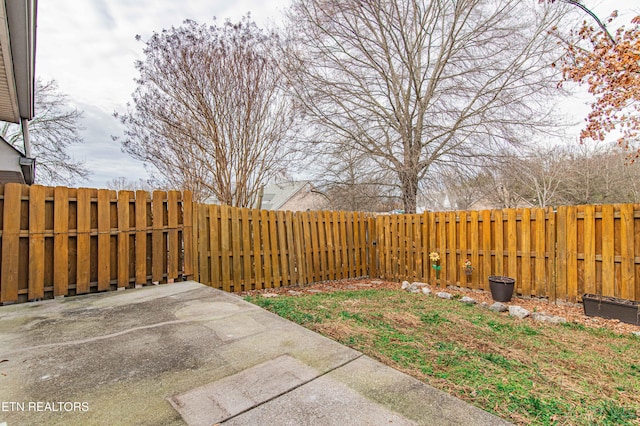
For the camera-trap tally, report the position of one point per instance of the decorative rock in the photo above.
(413, 289)
(444, 295)
(454, 287)
(426, 290)
(376, 281)
(498, 307)
(636, 333)
(518, 312)
(294, 293)
(544, 317)
(269, 295)
(315, 291)
(469, 300)
(405, 285)
(419, 284)
(483, 305)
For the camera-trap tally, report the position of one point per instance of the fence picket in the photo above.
(60, 241)
(36, 242)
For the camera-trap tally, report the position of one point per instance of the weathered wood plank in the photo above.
(36, 242)
(225, 247)
(608, 251)
(540, 273)
(83, 207)
(525, 260)
(173, 255)
(589, 243)
(627, 252)
(236, 259)
(190, 266)
(123, 238)
(159, 251)
(257, 242)
(141, 238)
(247, 250)
(10, 243)
(104, 237)
(61, 241)
(572, 254)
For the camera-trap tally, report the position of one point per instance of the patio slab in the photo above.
(185, 353)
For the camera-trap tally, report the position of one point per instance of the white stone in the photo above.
(469, 300)
(444, 295)
(426, 290)
(498, 307)
(405, 285)
(518, 312)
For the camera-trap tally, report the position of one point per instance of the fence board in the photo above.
(10, 243)
(450, 264)
(292, 252)
(512, 243)
(627, 253)
(282, 248)
(236, 259)
(525, 248)
(173, 253)
(84, 240)
(141, 238)
(589, 243)
(187, 235)
(104, 236)
(486, 248)
(572, 254)
(257, 249)
(462, 244)
(123, 238)
(540, 262)
(60, 241)
(266, 250)
(474, 232)
(158, 251)
(36, 242)
(247, 269)
(499, 242)
(225, 245)
(608, 247)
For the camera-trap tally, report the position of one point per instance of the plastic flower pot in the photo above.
(501, 288)
(611, 308)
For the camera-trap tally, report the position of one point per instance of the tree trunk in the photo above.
(409, 191)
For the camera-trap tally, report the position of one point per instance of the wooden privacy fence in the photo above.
(65, 241)
(559, 254)
(241, 249)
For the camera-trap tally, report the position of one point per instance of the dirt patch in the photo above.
(572, 312)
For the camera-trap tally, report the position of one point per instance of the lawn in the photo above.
(522, 371)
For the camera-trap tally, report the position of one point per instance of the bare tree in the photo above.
(412, 84)
(351, 181)
(123, 183)
(53, 131)
(209, 111)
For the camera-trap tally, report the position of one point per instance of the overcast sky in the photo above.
(89, 47)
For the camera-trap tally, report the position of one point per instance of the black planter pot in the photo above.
(611, 308)
(501, 288)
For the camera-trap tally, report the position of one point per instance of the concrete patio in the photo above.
(189, 354)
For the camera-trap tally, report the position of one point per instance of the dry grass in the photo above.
(523, 371)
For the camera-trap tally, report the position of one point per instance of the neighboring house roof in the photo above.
(14, 165)
(276, 195)
(17, 59)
